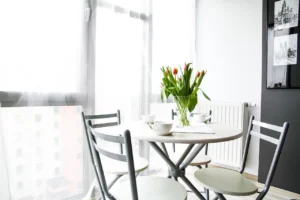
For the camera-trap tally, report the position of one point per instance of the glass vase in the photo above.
(182, 110)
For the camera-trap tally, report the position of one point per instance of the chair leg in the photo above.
(220, 196)
(207, 194)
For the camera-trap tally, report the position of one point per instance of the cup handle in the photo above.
(207, 118)
(153, 127)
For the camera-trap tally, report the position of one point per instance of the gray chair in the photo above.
(144, 188)
(223, 181)
(114, 167)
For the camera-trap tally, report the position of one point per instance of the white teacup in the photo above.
(200, 117)
(162, 127)
(148, 118)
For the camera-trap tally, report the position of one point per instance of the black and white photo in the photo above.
(286, 14)
(278, 77)
(285, 50)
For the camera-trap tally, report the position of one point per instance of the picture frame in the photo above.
(283, 50)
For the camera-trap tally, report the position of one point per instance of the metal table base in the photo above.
(178, 170)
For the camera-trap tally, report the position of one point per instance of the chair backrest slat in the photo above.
(106, 137)
(268, 126)
(104, 116)
(112, 122)
(265, 137)
(109, 154)
(105, 125)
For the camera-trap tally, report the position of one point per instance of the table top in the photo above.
(141, 131)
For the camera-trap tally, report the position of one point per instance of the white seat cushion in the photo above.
(225, 181)
(151, 188)
(120, 168)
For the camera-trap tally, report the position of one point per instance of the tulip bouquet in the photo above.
(183, 90)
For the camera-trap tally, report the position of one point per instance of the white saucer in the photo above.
(163, 134)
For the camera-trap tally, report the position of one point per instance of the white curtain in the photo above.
(121, 59)
(42, 64)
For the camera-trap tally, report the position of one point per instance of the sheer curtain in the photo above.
(121, 59)
(43, 86)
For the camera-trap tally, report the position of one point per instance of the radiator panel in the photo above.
(234, 114)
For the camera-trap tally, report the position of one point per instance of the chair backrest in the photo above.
(96, 151)
(278, 142)
(105, 116)
(117, 121)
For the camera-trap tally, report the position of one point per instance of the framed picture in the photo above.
(283, 62)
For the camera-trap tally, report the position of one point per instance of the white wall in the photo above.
(228, 45)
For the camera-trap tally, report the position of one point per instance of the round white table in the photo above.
(141, 131)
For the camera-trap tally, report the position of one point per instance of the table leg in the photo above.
(192, 187)
(220, 196)
(163, 146)
(196, 151)
(177, 171)
(184, 155)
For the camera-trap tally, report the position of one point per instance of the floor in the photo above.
(273, 194)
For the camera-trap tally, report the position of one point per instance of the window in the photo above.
(39, 167)
(20, 185)
(19, 169)
(119, 62)
(41, 43)
(57, 171)
(39, 151)
(121, 59)
(57, 156)
(19, 153)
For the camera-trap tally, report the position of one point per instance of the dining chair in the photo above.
(113, 167)
(142, 187)
(223, 181)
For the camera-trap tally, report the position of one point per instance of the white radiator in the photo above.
(234, 114)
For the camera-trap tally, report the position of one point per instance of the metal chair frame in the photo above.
(96, 151)
(279, 145)
(88, 118)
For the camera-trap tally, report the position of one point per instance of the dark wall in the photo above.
(278, 106)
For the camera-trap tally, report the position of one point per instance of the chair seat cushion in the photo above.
(120, 168)
(198, 160)
(225, 181)
(151, 188)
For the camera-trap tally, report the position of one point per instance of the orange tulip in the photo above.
(198, 74)
(185, 67)
(175, 71)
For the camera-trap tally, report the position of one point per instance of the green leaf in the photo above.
(162, 94)
(205, 95)
(192, 103)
